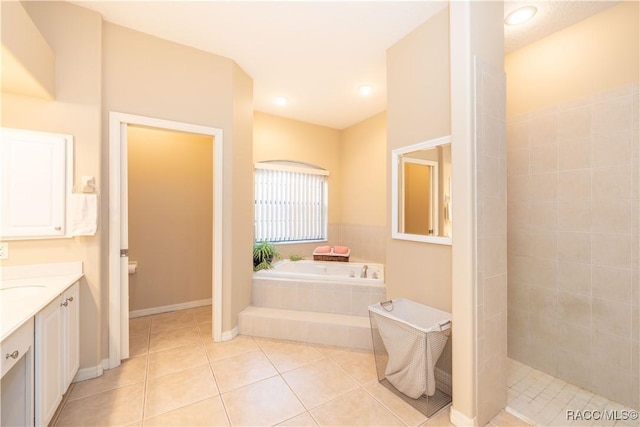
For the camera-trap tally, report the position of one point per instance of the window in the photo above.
(290, 202)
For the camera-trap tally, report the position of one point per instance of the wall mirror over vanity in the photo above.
(421, 192)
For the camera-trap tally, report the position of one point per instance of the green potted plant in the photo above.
(263, 254)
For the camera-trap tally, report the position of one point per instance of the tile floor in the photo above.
(545, 400)
(177, 375)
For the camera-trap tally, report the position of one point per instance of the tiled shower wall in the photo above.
(491, 193)
(573, 252)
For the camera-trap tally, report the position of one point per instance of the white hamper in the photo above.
(408, 340)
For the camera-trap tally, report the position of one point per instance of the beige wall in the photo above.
(170, 188)
(74, 35)
(356, 160)
(573, 204)
(140, 75)
(597, 54)
(418, 110)
(363, 160)
(28, 64)
(148, 76)
(238, 202)
(279, 138)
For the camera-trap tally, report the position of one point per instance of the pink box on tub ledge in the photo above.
(328, 253)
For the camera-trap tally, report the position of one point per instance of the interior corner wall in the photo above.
(75, 37)
(239, 234)
(363, 197)
(136, 69)
(418, 103)
(28, 64)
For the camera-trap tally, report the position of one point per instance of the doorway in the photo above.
(118, 222)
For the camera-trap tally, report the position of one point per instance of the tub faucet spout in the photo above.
(363, 274)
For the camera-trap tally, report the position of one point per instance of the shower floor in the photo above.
(544, 400)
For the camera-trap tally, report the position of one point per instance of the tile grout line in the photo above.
(210, 362)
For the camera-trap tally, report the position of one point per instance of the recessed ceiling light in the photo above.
(365, 90)
(282, 101)
(520, 16)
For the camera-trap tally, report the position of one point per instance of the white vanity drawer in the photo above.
(16, 346)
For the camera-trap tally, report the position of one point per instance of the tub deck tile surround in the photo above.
(142, 391)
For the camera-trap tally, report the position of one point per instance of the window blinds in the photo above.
(290, 203)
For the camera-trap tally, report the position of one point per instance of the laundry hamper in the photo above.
(408, 340)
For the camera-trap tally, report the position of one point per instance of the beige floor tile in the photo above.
(264, 403)
(121, 406)
(139, 326)
(206, 330)
(238, 345)
(319, 382)
(356, 408)
(288, 355)
(238, 371)
(129, 372)
(361, 365)
(203, 314)
(175, 390)
(208, 412)
(174, 338)
(138, 345)
(176, 359)
(172, 320)
(506, 419)
(302, 420)
(408, 414)
(330, 351)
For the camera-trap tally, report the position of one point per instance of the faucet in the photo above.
(363, 274)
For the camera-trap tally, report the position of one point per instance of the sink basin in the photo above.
(21, 291)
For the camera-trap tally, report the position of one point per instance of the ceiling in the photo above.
(315, 53)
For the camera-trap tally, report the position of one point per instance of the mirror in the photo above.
(421, 192)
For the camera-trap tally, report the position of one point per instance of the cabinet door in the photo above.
(71, 322)
(48, 353)
(35, 181)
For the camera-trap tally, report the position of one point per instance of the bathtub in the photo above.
(318, 286)
(348, 272)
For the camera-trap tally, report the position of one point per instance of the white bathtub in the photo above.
(324, 287)
(349, 272)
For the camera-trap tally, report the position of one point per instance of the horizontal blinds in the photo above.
(290, 205)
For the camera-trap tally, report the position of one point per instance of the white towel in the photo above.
(84, 214)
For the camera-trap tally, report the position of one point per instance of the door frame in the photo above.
(118, 225)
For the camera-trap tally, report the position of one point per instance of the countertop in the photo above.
(16, 307)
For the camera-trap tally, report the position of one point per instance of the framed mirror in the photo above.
(421, 192)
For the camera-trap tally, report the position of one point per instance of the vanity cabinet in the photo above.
(16, 394)
(57, 352)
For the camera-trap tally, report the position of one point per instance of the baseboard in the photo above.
(460, 420)
(229, 335)
(91, 372)
(168, 308)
